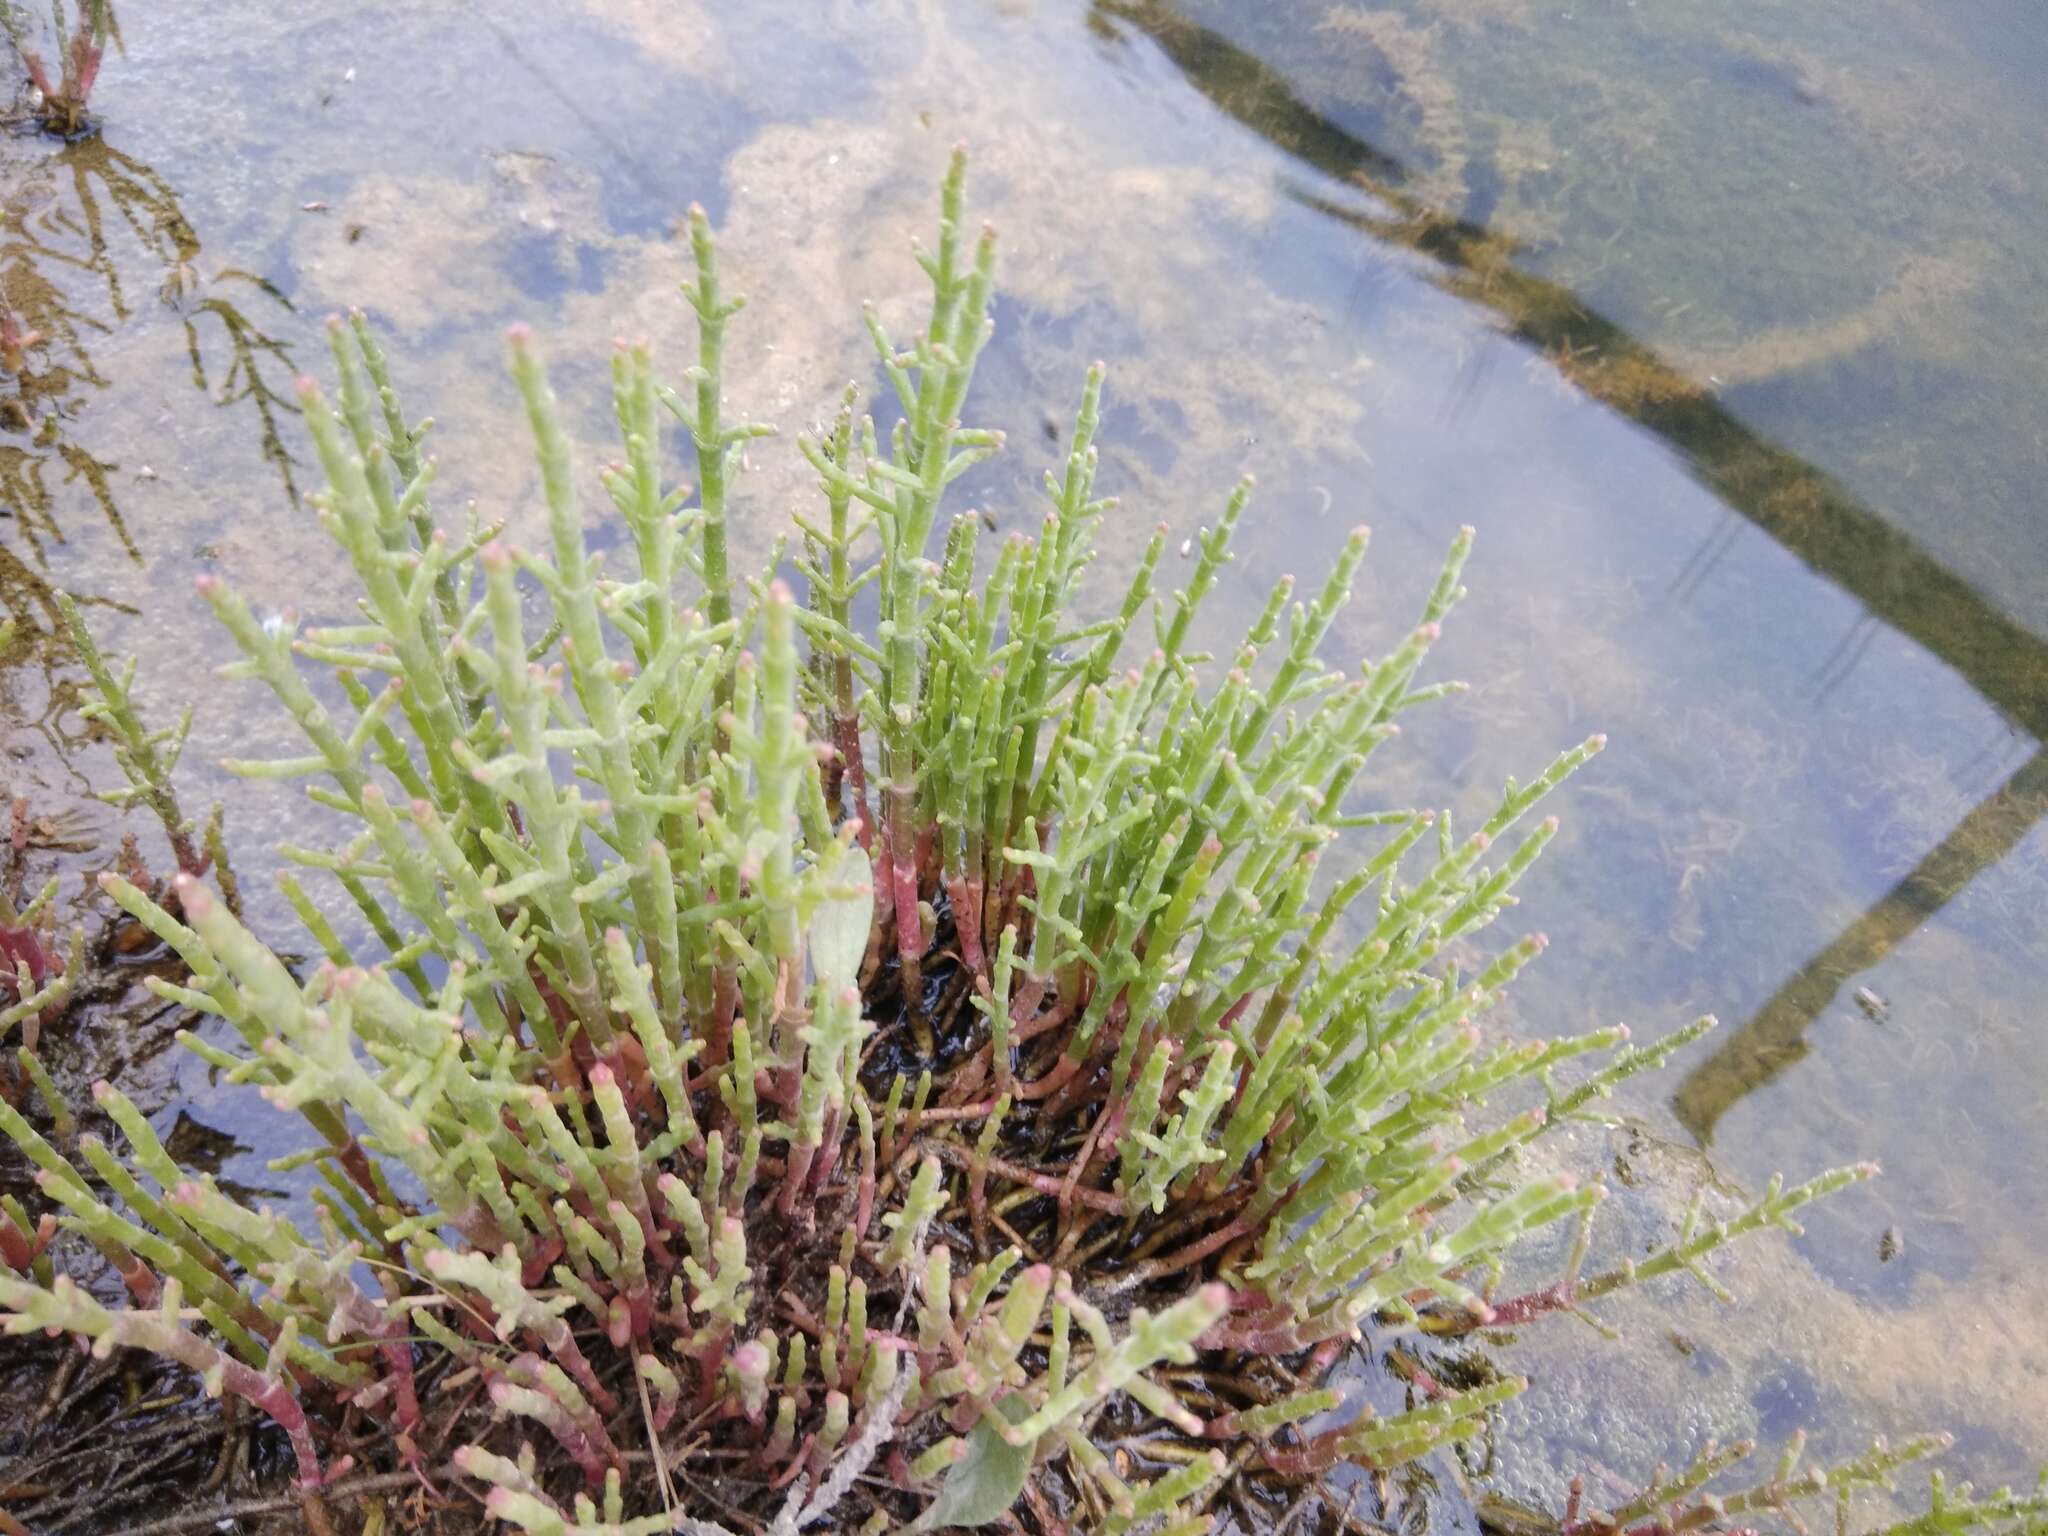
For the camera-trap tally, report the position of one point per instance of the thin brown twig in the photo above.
(206, 1519)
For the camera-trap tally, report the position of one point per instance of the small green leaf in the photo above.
(839, 930)
(986, 1482)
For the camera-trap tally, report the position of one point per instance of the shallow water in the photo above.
(1718, 321)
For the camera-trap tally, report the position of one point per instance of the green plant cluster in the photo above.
(810, 1070)
(80, 42)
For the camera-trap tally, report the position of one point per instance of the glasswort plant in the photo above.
(80, 40)
(810, 1071)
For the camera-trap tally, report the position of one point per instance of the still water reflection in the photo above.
(90, 235)
(1715, 320)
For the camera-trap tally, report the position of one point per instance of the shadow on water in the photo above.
(1806, 511)
(91, 239)
(1772, 1040)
